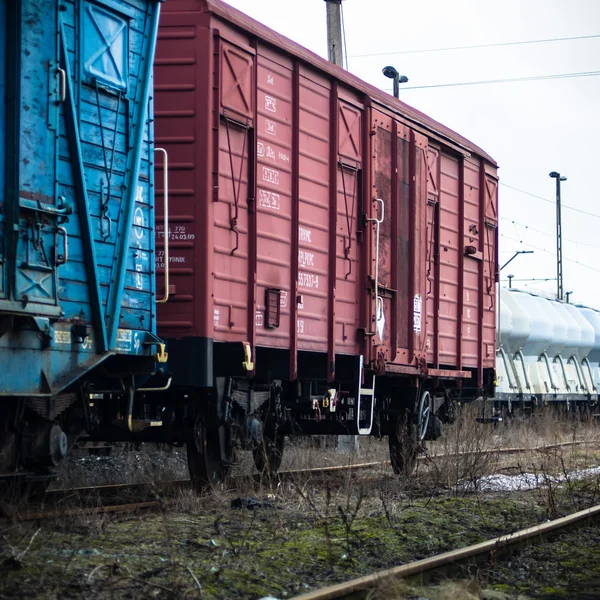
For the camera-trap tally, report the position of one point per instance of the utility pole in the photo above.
(334, 32)
(559, 259)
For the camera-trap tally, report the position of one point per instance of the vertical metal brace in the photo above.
(378, 298)
(586, 362)
(166, 219)
(547, 361)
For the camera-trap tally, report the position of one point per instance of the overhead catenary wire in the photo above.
(579, 210)
(549, 252)
(508, 80)
(477, 46)
(545, 233)
(344, 35)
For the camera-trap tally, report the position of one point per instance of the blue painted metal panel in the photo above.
(88, 253)
(138, 193)
(3, 56)
(105, 46)
(85, 184)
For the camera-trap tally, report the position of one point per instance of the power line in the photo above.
(549, 234)
(344, 34)
(548, 252)
(510, 80)
(499, 44)
(579, 210)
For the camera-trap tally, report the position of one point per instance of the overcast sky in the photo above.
(530, 128)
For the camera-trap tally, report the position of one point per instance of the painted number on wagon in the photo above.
(269, 200)
(306, 259)
(417, 305)
(300, 327)
(305, 235)
(270, 175)
(270, 104)
(308, 280)
(270, 127)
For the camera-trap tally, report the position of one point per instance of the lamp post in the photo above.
(559, 260)
(392, 73)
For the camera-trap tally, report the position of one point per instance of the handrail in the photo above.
(166, 220)
(378, 222)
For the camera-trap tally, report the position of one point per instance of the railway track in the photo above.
(360, 587)
(132, 497)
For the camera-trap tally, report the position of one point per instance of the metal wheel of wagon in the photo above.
(209, 453)
(423, 414)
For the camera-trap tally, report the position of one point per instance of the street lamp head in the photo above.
(403, 79)
(558, 176)
(390, 72)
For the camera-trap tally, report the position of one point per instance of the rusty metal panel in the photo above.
(274, 195)
(418, 251)
(472, 265)
(490, 263)
(252, 27)
(433, 253)
(271, 156)
(314, 206)
(348, 205)
(449, 242)
(382, 314)
(237, 81)
(231, 234)
(179, 74)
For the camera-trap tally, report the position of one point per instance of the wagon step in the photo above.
(366, 399)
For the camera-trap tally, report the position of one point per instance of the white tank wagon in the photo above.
(548, 352)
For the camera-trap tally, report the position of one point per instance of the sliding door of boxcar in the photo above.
(398, 243)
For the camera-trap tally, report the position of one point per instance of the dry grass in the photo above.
(464, 443)
(310, 531)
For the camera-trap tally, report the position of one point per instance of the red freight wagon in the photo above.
(332, 252)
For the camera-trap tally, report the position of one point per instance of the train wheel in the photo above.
(423, 414)
(209, 454)
(268, 450)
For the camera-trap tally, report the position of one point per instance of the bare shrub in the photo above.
(462, 453)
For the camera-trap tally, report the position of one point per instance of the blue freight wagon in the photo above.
(77, 291)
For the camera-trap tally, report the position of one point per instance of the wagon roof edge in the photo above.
(247, 23)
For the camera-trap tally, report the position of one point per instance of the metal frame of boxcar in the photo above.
(215, 393)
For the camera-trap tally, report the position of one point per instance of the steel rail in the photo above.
(428, 565)
(184, 483)
(90, 510)
(57, 496)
